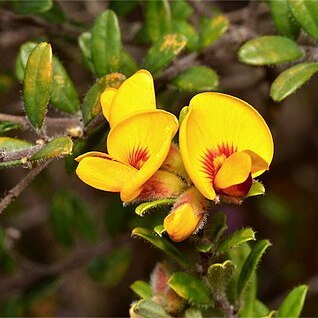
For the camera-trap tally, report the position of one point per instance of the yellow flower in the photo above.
(135, 94)
(137, 147)
(224, 143)
(186, 215)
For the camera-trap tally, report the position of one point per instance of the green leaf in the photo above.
(259, 309)
(218, 225)
(306, 14)
(257, 188)
(37, 83)
(197, 79)
(211, 30)
(186, 29)
(149, 309)
(183, 113)
(157, 18)
(146, 207)
(269, 49)
(235, 239)
(22, 59)
(84, 42)
(219, 276)
(128, 64)
(63, 93)
(293, 303)
(283, 20)
(62, 218)
(32, 6)
(163, 51)
(55, 14)
(180, 10)
(142, 289)
(83, 220)
(111, 270)
(191, 288)
(159, 229)
(106, 43)
(291, 79)
(123, 7)
(6, 126)
(58, 147)
(161, 243)
(248, 298)
(91, 105)
(250, 265)
(13, 144)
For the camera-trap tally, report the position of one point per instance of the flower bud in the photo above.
(186, 215)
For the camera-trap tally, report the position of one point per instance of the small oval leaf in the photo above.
(250, 265)
(142, 289)
(158, 19)
(269, 49)
(12, 144)
(161, 243)
(257, 188)
(212, 29)
(63, 93)
(106, 43)
(60, 146)
(37, 83)
(293, 303)
(91, 105)
(22, 59)
(306, 14)
(164, 51)
(291, 79)
(284, 22)
(148, 309)
(84, 42)
(235, 239)
(32, 6)
(197, 79)
(191, 288)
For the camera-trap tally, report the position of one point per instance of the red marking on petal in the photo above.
(214, 158)
(138, 157)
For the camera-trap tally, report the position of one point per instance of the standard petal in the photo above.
(104, 173)
(142, 141)
(216, 126)
(107, 99)
(135, 94)
(235, 170)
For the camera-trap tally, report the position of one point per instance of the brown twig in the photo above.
(7, 16)
(49, 121)
(20, 187)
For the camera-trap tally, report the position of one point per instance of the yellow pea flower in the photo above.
(137, 147)
(224, 143)
(135, 94)
(186, 216)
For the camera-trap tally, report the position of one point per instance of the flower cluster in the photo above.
(224, 144)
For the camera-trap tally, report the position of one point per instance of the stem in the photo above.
(229, 310)
(20, 187)
(50, 121)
